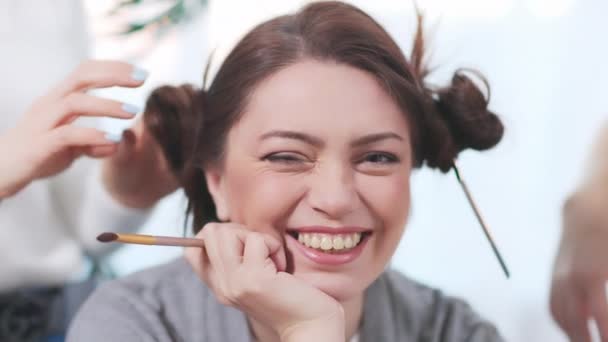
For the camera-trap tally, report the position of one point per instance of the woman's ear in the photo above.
(217, 189)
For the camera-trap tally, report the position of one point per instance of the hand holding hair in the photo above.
(138, 175)
(44, 142)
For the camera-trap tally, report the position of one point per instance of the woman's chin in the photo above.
(341, 287)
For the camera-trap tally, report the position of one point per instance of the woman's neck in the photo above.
(353, 310)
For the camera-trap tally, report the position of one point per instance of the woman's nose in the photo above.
(332, 191)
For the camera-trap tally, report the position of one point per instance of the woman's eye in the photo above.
(284, 158)
(380, 158)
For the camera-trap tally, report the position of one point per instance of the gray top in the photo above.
(170, 303)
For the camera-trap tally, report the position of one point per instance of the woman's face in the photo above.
(320, 159)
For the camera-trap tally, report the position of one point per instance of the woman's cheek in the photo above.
(389, 197)
(267, 198)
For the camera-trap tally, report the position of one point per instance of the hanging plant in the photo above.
(171, 14)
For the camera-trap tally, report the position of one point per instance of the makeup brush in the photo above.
(150, 240)
(485, 228)
(192, 242)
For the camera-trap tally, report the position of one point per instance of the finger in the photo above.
(139, 128)
(277, 251)
(126, 147)
(576, 321)
(222, 258)
(279, 257)
(224, 246)
(100, 74)
(73, 136)
(197, 257)
(198, 260)
(259, 248)
(579, 333)
(599, 309)
(100, 151)
(556, 303)
(79, 104)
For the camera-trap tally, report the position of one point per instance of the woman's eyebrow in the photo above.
(372, 138)
(314, 141)
(295, 136)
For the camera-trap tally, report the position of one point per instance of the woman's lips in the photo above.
(329, 230)
(335, 256)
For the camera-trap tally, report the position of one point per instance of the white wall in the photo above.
(546, 62)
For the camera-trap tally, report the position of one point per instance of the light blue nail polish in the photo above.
(129, 108)
(113, 137)
(139, 74)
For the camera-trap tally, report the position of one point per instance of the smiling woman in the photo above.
(296, 162)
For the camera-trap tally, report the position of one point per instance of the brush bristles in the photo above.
(107, 237)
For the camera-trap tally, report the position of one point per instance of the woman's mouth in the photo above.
(324, 246)
(329, 243)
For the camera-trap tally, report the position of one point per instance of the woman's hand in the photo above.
(578, 290)
(44, 142)
(246, 270)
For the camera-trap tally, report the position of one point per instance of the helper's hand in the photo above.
(44, 142)
(138, 175)
(246, 270)
(578, 290)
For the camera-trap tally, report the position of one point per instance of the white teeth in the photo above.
(348, 242)
(315, 242)
(338, 243)
(329, 242)
(326, 243)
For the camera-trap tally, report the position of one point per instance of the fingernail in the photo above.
(139, 74)
(129, 108)
(113, 137)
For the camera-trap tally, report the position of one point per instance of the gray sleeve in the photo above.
(484, 333)
(458, 322)
(425, 314)
(115, 312)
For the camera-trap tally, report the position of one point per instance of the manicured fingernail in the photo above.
(139, 74)
(113, 137)
(131, 109)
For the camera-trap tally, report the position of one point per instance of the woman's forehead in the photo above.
(315, 95)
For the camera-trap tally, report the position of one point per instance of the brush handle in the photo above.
(179, 242)
(140, 239)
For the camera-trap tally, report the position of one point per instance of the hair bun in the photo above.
(171, 115)
(463, 121)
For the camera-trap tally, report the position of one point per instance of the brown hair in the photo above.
(191, 124)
